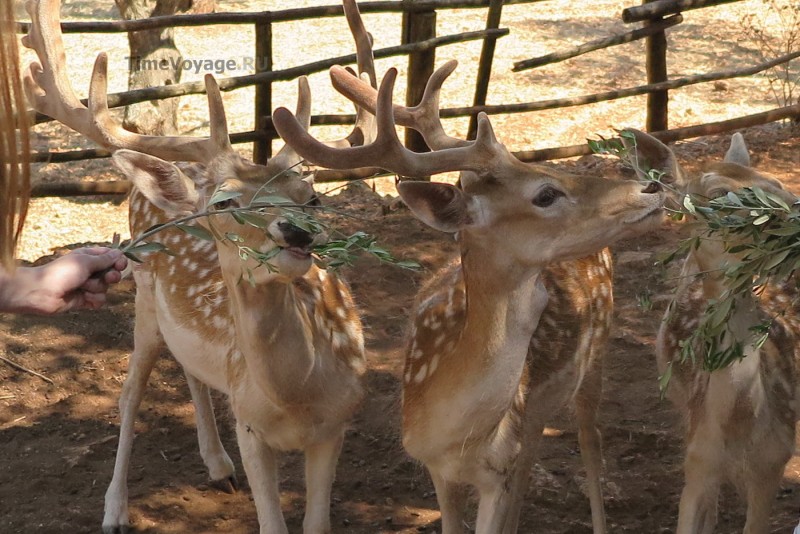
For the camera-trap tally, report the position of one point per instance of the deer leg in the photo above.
(539, 406)
(261, 467)
(697, 513)
(493, 508)
(589, 439)
(452, 499)
(762, 485)
(219, 464)
(147, 344)
(321, 460)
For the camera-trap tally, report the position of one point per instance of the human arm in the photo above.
(76, 280)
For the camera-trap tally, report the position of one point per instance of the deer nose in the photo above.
(295, 236)
(652, 188)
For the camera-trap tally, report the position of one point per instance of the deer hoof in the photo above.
(226, 485)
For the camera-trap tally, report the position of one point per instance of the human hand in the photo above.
(76, 280)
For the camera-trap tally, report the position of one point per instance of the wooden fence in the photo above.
(419, 43)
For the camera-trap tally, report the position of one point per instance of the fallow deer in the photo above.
(284, 344)
(480, 379)
(740, 420)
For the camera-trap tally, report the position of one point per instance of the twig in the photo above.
(21, 368)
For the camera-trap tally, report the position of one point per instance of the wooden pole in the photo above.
(262, 148)
(659, 8)
(418, 27)
(599, 44)
(657, 102)
(485, 64)
(80, 189)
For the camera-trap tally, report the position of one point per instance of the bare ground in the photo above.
(57, 441)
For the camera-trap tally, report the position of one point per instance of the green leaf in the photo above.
(222, 196)
(663, 380)
(253, 219)
(271, 200)
(196, 231)
(237, 216)
(761, 220)
(132, 256)
(733, 199)
(409, 264)
(688, 204)
(776, 260)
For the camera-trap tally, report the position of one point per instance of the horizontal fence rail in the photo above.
(419, 44)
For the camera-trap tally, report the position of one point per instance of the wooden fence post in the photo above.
(262, 148)
(418, 26)
(658, 101)
(485, 64)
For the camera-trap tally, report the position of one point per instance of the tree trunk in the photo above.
(155, 60)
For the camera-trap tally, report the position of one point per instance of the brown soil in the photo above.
(57, 441)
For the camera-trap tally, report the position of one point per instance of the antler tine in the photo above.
(423, 117)
(46, 84)
(51, 93)
(365, 123)
(287, 157)
(387, 151)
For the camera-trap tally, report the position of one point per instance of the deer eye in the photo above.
(546, 197)
(223, 204)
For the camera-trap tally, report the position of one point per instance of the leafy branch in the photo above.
(760, 228)
(258, 214)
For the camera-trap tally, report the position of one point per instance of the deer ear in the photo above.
(440, 206)
(737, 153)
(650, 153)
(161, 182)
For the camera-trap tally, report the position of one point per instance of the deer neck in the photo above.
(504, 303)
(743, 375)
(712, 261)
(273, 336)
(478, 378)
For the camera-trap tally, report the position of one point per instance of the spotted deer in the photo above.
(285, 345)
(740, 420)
(499, 339)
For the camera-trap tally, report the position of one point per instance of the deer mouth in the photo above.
(301, 253)
(659, 210)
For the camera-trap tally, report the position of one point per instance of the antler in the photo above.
(386, 151)
(49, 90)
(365, 120)
(424, 117)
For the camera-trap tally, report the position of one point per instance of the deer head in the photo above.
(717, 180)
(516, 213)
(180, 191)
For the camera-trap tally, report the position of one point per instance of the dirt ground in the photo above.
(58, 440)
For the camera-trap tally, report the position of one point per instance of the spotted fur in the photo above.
(563, 363)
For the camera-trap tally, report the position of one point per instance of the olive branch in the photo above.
(264, 206)
(761, 228)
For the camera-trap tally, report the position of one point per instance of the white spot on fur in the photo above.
(421, 374)
(434, 363)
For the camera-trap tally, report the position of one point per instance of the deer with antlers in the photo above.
(285, 344)
(740, 420)
(500, 339)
